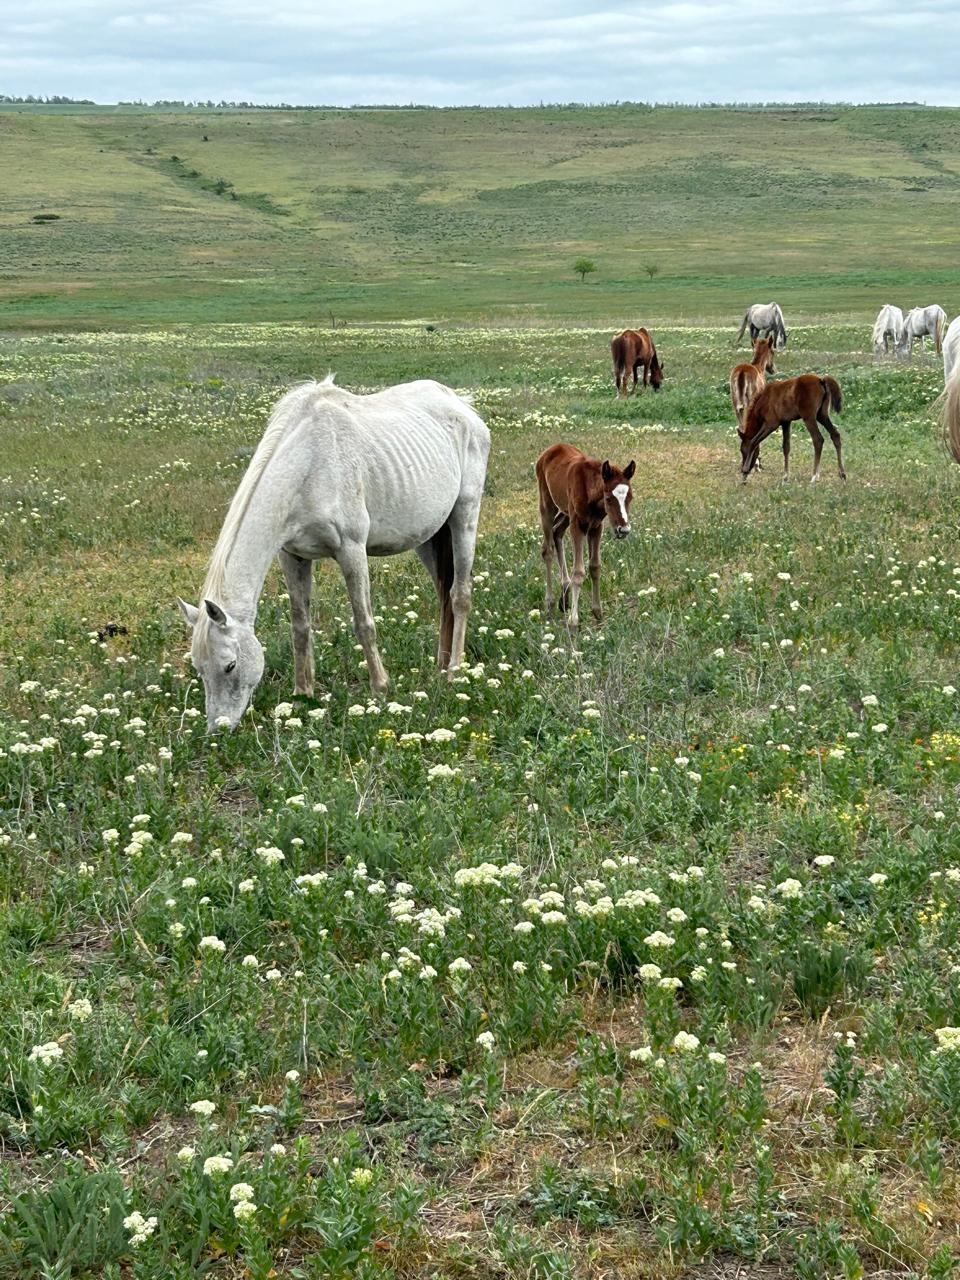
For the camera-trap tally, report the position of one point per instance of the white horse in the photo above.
(951, 351)
(950, 412)
(342, 476)
(923, 322)
(764, 318)
(888, 327)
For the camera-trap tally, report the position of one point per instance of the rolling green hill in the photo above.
(235, 215)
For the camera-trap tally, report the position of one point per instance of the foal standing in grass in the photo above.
(809, 397)
(748, 380)
(579, 493)
(342, 476)
(632, 350)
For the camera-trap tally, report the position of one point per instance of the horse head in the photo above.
(749, 452)
(656, 373)
(617, 496)
(228, 658)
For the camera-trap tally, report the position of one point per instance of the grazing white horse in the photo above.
(951, 351)
(888, 327)
(764, 318)
(342, 476)
(923, 322)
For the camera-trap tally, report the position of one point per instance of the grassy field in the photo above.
(656, 977)
(165, 218)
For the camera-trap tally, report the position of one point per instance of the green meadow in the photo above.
(631, 954)
(231, 215)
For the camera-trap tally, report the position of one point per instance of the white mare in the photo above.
(923, 322)
(764, 319)
(888, 328)
(341, 476)
(951, 351)
(950, 401)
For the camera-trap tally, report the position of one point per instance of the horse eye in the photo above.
(229, 667)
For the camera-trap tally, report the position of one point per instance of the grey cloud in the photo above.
(421, 51)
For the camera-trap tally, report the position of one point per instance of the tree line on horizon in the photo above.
(56, 99)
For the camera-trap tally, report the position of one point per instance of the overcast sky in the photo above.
(486, 51)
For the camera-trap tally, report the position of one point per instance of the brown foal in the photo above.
(630, 350)
(579, 493)
(779, 404)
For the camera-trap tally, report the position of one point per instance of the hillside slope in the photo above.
(237, 215)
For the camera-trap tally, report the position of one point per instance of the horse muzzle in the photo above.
(621, 531)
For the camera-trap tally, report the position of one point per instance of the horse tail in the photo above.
(746, 317)
(831, 387)
(619, 349)
(739, 393)
(938, 331)
(442, 547)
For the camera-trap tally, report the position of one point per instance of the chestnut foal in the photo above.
(579, 493)
(748, 380)
(779, 404)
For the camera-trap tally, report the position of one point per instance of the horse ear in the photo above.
(606, 470)
(189, 611)
(215, 613)
(629, 469)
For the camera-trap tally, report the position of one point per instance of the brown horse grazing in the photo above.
(781, 403)
(578, 493)
(631, 349)
(748, 380)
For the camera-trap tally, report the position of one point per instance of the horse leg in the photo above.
(560, 526)
(834, 435)
(548, 513)
(299, 576)
(785, 428)
(437, 558)
(636, 366)
(593, 547)
(463, 522)
(352, 559)
(816, 435)
(646, 370)
(577, 577)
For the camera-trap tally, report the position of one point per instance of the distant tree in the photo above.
(652, 270)
(584, 267)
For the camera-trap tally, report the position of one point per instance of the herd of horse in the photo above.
(345, 477)
(895, 335)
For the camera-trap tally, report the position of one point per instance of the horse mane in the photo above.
(277, 425)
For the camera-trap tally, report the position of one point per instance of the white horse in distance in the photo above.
(341, 476)
(764, 319)
(887, 328)
(923, 322)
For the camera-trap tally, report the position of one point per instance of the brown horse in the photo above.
(631, 349)
(578, 493)
(779, 404)
(748, 380)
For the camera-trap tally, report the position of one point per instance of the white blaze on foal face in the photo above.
(621, 492)
(617, 496)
